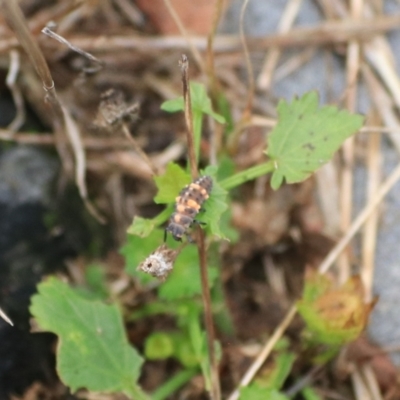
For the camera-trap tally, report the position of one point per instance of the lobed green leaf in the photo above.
(93, 352)
(184, 280)
(306, 137)
(171, 183)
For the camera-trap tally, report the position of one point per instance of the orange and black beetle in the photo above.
(187, 206)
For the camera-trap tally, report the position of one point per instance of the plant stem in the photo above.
(16, 20)
(215, 391)
(197, 129)
(247, 175)
(208, 319)
(162, 216)
(136, 393)
(184, 64)
(174, 384)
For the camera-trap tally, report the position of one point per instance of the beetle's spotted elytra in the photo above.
(187, 206)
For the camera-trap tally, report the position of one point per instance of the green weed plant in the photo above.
(94, 352)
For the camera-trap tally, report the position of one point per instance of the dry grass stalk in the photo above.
(138, 149)
(131, 12)
(293, 64)
(360, 388)
(11, 82)
(213, 81)
(371, 225)
(289, 15)
(266, 351)
(384, 105)
(332, 32)
(74, 135)
(250, 75)
(370, 207)
(346, 190)
(328, 197)
(48, 139)
(370, 380)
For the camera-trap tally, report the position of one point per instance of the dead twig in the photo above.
(371, 225)
(250, 75)
(332, 32)
(138, 149)
(47, 31)
(16, 20)
(346, 182)
(74, 136)
(11, 82)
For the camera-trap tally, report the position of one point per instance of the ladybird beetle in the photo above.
(187, 206)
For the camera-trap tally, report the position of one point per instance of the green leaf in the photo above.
(310, 394)
(275, 376)
(159, 346)
(226, 167)
(184, 280)
(224, 108)
(306, 137)
(200, 102)
(96, 280)
(214, 207)
(171, 183)
(185, 354)
(175, 179)
(173, 105)
(255, 392)
(93, 351)
(141, 226)
(173, 384)
(137, 249)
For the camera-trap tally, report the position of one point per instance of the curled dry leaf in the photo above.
(334, 315)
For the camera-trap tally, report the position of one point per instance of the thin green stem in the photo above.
(173, 384)
(197, 128)
(136, 393)
(247, 175)
(163, 216)
(184, 64)
(208, 318)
